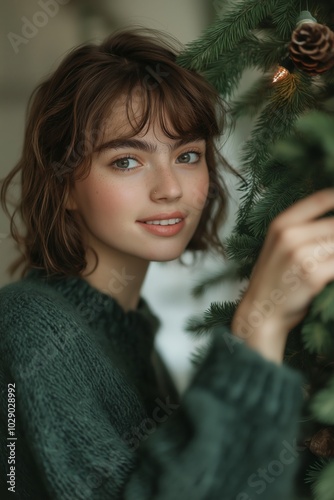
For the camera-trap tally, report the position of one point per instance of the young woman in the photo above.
(119, 168)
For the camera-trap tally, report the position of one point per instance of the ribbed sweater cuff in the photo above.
(238, 373)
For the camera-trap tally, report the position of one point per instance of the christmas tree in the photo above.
(289, 155)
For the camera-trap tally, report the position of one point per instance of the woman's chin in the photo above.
(165, 256)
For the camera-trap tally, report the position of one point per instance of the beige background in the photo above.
(49, 29)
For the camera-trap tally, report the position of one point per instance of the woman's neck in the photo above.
(119, 276)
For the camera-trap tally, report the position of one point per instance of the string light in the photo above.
(280, 74)
(284, 69)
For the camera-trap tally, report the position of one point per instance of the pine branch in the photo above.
(250, 103)
(285, 17)
(309, 150)
(275, 200)
(322, 404)
(323, 306)
(317, 337)
(314, 470)
(245, 270)
(257, 50)
(218, 314)
(318, 128)
(297, 356)
(273, 171)
(240, 247)
(323, 11)
(276, 121)
(256, 34)
(323, 486)
(225, 33)
(291, 97)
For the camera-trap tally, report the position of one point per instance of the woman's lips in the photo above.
(164, 216)
(160, 226)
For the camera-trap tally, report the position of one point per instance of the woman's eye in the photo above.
(125, 163)
(189, 157)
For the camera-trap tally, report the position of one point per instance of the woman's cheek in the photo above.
(201, 192)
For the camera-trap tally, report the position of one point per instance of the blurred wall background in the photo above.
(35, 36)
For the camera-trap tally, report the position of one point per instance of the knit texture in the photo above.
(94, 420)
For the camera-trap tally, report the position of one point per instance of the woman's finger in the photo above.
(319, 233)
(306, 210)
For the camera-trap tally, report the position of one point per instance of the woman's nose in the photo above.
(166, 186)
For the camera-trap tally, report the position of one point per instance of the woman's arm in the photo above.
(296, 262)
(235, 435)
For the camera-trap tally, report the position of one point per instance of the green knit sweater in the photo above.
(96, 417)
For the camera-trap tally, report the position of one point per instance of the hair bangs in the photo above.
(177, 109)
(167, 97)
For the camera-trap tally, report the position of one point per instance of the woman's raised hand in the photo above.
(295, 264)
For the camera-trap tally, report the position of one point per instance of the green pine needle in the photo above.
(322, 404)
(256, 50)
(323, 305)
(315, 469)
(242, 247)
(218, 314)
(323, 481)
(225, 33)
(253, 99)
(317, 337)
(273, 201)
(285, 16)
(318, 128)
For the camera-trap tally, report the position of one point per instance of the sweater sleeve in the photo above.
(233, 436)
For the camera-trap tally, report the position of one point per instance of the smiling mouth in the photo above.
(165, 222)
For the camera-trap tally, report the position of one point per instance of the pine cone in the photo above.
(322, 443)
(312, 48)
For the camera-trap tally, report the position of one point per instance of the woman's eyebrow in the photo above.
(141, 144)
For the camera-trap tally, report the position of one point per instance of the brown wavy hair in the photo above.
(65, 118)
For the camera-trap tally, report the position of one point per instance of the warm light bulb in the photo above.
(280, 74)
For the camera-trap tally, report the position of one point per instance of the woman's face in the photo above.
(144, 196)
